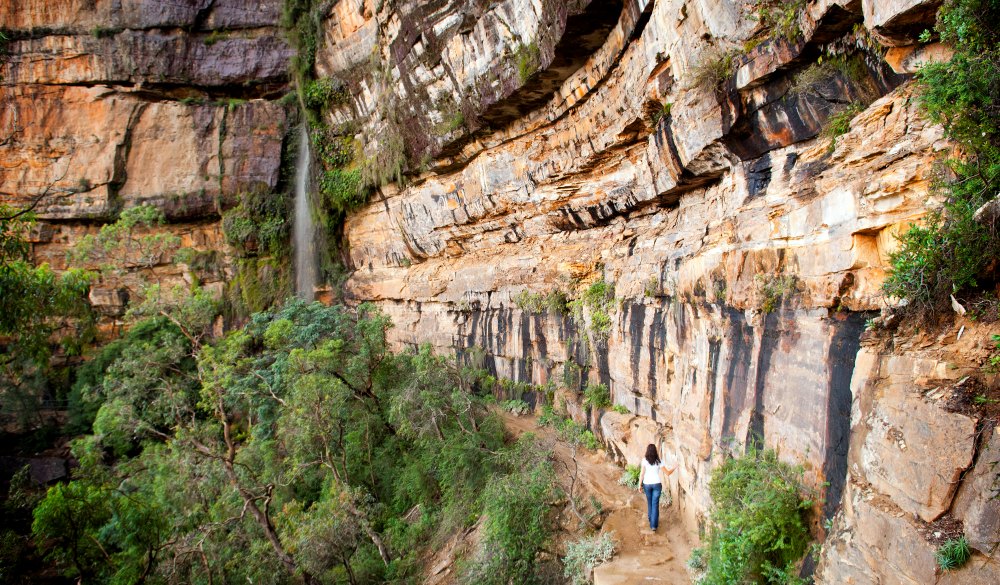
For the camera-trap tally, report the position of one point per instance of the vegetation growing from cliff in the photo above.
(770, 290)
(42, 310)
(757, 529)
(955, 248)
(953, 554)
(779, 18)
(714, 68)
(596, 396)
(298, 448)
(554, 302)
(130, 243)
(597, 302)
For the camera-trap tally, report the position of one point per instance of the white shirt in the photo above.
(651, 473)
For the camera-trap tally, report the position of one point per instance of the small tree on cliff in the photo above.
(37, 305)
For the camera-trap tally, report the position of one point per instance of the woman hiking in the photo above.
(650, 482)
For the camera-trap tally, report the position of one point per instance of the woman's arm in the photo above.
(664, 474)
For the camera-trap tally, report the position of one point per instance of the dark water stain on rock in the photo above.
(714, 353)
(844, 346)
(758, 175)
(770, 338)
(635, 315)
(736, 381)
(657, 341)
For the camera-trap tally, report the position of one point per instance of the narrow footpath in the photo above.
(643, 556)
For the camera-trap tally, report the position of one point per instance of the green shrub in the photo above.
(953, 554)
(757, 523)
(940, 257)
(652, 287)
(555, 303)
(332, 148)
(342, 189)
(319, 94)
(301, 23)
(780, 18)
(215, 36)
(770, 290)
(952, 250)
(992, 365)
(696, 561)
(517, 407)
(258, 225)
(852, 68)
(586, 553)
(630, 477)
(518, 518)
(839, 123)
(598, 300)
(621, 409)
(529, 301)
(596, 396)
(101, 32)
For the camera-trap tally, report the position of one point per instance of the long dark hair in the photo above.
(652, 457)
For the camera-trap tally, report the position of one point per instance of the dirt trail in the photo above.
(643, 556)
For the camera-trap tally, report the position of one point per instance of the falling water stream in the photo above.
(304, 230)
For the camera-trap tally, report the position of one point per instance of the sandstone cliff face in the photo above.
(110, 105)
(551, 145)
(704, 217)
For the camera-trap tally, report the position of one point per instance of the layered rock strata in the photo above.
(111, 105)
(746, 250)
(672, 149)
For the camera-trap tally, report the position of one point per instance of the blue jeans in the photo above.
(653, 491)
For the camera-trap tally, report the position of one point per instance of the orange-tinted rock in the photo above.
(93, 149)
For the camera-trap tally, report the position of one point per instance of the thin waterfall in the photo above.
(304, 229)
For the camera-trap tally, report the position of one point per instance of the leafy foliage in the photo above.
(41, 310)
(596, 396)
(630, 478)
(586, 553)
(953, 249)
(839, 123)
(569, 430)
(296, 448)
(301, 23)
(516, 407)
(322, 93)
(757, 527)
(779, 18)
(769, 290)
(596, 302)
(518, 513)
(128, 243)
(554, 302)
(258, 225)
(342, 189)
